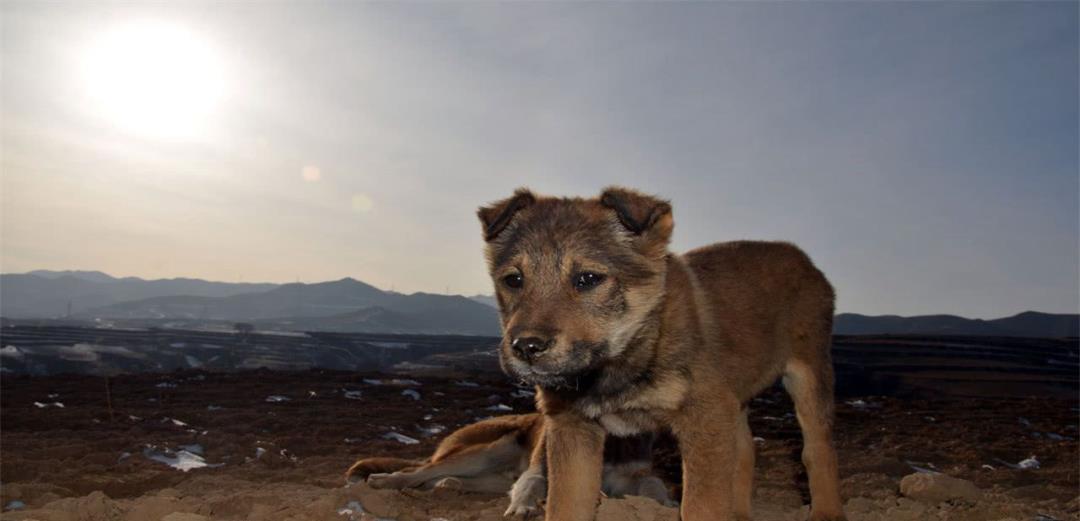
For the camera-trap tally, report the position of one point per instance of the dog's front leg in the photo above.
(531, 487)
(706, 437)
(575, 458)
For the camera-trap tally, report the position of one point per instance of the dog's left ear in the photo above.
(497, 216)
(643, 215)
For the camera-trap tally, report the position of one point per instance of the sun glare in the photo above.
(155, 80)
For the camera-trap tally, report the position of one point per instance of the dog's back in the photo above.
(767, 305)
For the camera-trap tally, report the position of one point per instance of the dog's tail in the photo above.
(368, 466)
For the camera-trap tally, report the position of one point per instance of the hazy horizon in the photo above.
(924, 154)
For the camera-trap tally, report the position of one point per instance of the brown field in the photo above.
(68, 463)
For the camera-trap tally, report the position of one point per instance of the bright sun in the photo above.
(154, 80)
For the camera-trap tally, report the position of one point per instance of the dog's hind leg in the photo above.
(496, 483)
(360, 470)
(743, 486)
(811, 388)
(480, 459)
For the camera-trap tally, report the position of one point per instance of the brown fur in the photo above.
(491, 447)
(489, 455)
(663, 340)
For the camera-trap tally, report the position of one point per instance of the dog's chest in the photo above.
(643, 410)
(627, 423)
(621, 417)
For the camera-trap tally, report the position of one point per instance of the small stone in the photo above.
(935, 488)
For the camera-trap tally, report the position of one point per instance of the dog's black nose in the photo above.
(528, 347)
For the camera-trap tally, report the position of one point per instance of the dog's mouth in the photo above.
(566, 373)
(542, 378)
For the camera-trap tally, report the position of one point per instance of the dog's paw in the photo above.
(450, 483)
(352, 478)
(526, 494)
(393, 481)
(522, 511)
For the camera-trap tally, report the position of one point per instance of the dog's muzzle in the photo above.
(529, 348)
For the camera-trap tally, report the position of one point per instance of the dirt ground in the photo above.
(277, 445)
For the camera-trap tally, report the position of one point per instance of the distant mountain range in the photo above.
(47, 294)
(1026, 324)
(352, 305)
(341, 305)
(485, 299)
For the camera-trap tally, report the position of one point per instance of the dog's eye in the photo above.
(588, 279)
(513, 281)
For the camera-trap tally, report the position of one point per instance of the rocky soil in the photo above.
(274, 445)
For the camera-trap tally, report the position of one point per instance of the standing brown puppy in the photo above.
(622, 336)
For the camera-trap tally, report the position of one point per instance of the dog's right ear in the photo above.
(497, 216)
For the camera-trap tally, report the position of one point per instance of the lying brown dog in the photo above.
(621, 336)
(495, 456)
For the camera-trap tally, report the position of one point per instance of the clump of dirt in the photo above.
(275, 445)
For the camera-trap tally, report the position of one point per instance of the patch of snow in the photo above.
(390, 345)
(212, 407)
(759, 439)
(178, 344)
(123, 456)
(181, 460)
(354, 395)
(11, 351)
(928, 469)
(522, 393)
(259, 451)
(412, 393)
(396, 436)
(192, 361)
(863, 404)
(1030, 463)
(353, 509)
(83, 352)
(15, 504)
(372, 381)
(40, 405)
(500, 407)
(432, 430)
(277, 398)
(466, 383)
(166, 385)
(194, 448)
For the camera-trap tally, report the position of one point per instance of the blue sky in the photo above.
(924, 154)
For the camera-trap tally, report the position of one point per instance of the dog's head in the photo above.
(575, 278)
